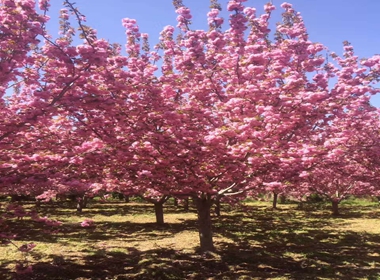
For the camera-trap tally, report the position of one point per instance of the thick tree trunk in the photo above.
(335, 207)
(275, 196)
(204, 224)
(217, 207)
(159, 211)
(126, 198)
(175, 202)
(186, 204)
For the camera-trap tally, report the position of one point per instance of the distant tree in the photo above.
(348, 160)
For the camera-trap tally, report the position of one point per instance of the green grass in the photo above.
(253, 242)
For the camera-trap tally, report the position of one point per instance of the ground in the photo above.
(252, 242)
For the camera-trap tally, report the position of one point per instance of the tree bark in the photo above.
(300, 205)
(186, 204)
(217, 207)
(85, 201)
(159, 211)
(335, 207)
(80, 205)
(126, 198)
(204, 224)
(175, 202)
(275, 196)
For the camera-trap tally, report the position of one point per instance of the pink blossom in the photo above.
(185, 12)
(234, 5)
(269, 7)
(303, 174)
(87, 223)
(43, 4)
(286, 5)
(64, 14)
(47, 195)
(27, 247)
(250, 12)
(128, 23)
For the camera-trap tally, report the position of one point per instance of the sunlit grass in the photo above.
(253, 242)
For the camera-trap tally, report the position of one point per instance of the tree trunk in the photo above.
(275, 196)
(80, 205)
(300, 205)
(175, 202)
(159, 211)
(85, 201)
(204, 224)
(217, 207)
(335, 207)
(194, 202)
(186, 204)
(126, 198)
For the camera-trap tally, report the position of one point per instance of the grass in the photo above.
(253, 242)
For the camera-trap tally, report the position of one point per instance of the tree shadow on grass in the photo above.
(255, 244)
(108, 209)
(303, 260)
(350, 257)
(36, 231)
(295, 245)
(346, 211)
(163, 263)
(127, 231)
(102, 231)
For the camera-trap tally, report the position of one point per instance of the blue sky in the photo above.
(328, 21)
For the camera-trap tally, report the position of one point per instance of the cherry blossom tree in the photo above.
(37, 73)
(42, 72)
(348, 158)
(232, 111)
(207, 114)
